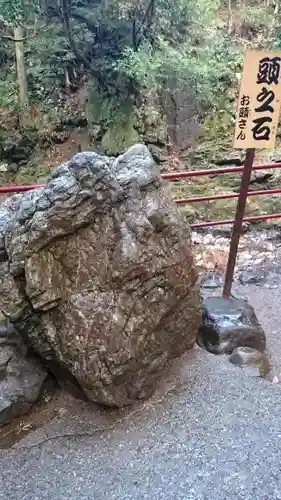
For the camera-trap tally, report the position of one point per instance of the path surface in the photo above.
(215, 436)
(267, 305)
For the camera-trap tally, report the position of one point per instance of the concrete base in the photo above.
(228, 324)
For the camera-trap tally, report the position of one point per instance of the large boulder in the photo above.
(102, 279)
(21, 375)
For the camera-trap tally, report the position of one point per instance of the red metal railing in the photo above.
(195, 199)
(224, 196)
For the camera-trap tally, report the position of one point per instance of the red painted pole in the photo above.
(226, 196)
(20, 188)
(237, 226)
(254, 218)
(215, 171)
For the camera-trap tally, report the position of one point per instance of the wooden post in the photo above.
(21, 74)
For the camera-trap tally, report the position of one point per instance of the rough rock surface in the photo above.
(101, 280)
(21, 376)
(228, 324)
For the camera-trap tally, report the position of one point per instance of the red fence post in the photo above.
(237, 226)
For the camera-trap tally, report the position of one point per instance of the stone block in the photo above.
(228, 324)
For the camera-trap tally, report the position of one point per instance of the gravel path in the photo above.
(267, 304)
(216, 435)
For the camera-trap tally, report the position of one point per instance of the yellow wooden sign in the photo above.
(259, 101)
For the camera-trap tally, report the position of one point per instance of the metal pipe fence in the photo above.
(180, 176)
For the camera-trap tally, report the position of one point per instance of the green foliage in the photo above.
(8, 93)
(129, 51)
(115, 115)
(204, 60)
(47, 56)
(120, 135)
(182, 15)
(277, 32)
(176, 38)
(16, 11)
(258, 15)
(101, 107)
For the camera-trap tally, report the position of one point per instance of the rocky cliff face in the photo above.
(98, 275)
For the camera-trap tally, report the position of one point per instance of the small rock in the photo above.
(20, 386)
(21, 376)
(272, 235)
(61, 412)
(223, 230)
(13, 168)
(208, 239)
(232, 158)
(47, 398)
(245, 355)
(4, 167)
(157, 153)
(222, 242)
(260, 260)
(251, 276)
(246, 256)
(251, 360)
(226, 230)
(211, 280)
(270, 246)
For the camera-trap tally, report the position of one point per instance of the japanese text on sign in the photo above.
(259, 101)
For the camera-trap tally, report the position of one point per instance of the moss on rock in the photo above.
(118, 138)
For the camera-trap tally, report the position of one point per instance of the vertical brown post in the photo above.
(237, 226)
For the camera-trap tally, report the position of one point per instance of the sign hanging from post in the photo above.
(256, 127)
(259, 101)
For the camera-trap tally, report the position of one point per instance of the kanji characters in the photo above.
(266, 97)
(244, 112)
(261, 131)
(269, 70)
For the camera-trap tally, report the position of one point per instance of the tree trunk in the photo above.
(21, 73)
(229, 21)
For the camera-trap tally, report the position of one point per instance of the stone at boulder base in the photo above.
(254, 362)
(245, 355)
(102, 261)
(21, 376)
(228, 324)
